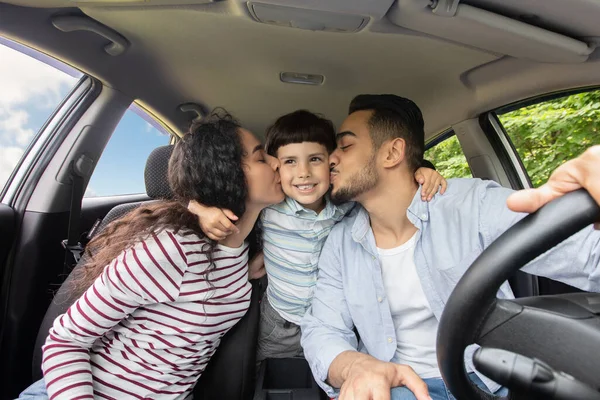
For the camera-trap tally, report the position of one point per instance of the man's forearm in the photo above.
(341, 365)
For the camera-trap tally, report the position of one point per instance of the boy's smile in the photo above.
(306, 188)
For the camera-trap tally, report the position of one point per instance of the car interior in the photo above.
(461, 61)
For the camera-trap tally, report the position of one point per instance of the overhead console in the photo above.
(339, 16)
(477, 26)
(314, 20)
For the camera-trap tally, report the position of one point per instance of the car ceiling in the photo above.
(217, 54)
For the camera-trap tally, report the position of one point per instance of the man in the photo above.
(388, 269)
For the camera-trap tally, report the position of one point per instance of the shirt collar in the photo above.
(298, 209)
(294, 206)
(417, 212)
(418, 209)
(361, 225)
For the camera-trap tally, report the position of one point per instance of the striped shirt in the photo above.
(149, 324)
(293, 239)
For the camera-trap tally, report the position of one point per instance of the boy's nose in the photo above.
(304, 173)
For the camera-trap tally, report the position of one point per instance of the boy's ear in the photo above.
(394, 152)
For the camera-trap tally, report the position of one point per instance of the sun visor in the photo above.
(472, 26)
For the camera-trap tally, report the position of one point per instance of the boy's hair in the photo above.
(394, 117)
(297, 127)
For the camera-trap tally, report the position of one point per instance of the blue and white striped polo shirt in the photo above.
(293, 239)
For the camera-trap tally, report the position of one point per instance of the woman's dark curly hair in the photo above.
(206, 165)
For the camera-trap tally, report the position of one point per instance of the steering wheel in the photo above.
(539, 347)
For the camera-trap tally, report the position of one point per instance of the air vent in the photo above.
(306, 19)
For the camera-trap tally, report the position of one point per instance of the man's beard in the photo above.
(361, 182)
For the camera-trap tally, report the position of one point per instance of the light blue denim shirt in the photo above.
(454, 229)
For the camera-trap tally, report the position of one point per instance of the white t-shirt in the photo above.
(416, 326)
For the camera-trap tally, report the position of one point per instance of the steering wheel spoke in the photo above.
(555, 329)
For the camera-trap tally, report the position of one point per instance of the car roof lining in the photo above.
(217, 55)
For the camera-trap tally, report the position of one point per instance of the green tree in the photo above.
(545, 135)
(549, 133)
(449, 159)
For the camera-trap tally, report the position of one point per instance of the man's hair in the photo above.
(394, 117)
(297, 127)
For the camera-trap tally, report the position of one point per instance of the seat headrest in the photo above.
(155, 174)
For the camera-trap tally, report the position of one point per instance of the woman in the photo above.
(157, 295)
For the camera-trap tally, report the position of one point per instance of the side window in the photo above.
(32, 86)
(120, 169)
(551, 132)
(448, 158)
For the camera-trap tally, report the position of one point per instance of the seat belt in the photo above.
(72, 245)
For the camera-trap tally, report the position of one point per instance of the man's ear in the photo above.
(394, 153)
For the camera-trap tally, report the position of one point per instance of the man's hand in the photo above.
(214, 222)
(430, 181)
(256, 267)
(581, 172)
(366, 378)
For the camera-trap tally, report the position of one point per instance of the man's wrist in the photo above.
(355, 360)
(345, 373)
(351, 364)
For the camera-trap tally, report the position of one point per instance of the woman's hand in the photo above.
(430, 180)
(214, 222)
(256, 267)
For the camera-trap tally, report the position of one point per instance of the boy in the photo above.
(295, 230)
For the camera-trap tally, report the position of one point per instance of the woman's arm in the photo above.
(150, 272)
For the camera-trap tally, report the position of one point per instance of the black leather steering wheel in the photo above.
(562, 331)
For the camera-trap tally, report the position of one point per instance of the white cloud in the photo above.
(29, 90)
(12, 127)
(90, 192)
(158, 132)
(9, 157)
(23, 78)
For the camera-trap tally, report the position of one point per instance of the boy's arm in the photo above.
(430, 181)
(214, 222)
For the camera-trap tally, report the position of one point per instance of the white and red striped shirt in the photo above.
(149, 324)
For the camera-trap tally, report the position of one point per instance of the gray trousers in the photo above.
(277, 337)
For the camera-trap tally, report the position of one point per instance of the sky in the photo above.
(120, 169)
(30, 91)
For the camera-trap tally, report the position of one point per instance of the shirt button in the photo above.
(380, 299)
(373, 257)
(424, 217)
(390, 340)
